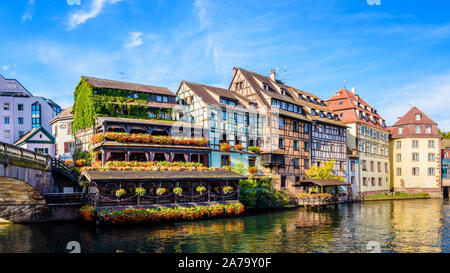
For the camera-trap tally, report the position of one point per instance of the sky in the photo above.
(396, 53)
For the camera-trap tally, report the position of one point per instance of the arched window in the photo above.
(36, 115)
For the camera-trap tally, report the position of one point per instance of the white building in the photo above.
(37, 140)
(20, 111)
(62, 131)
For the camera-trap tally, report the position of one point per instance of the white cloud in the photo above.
(431, 95)
(28, 15)
(201, 8)
(96, 8)
(135, 39)
(73, 2)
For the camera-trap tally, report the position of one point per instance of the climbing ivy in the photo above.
(91, 102)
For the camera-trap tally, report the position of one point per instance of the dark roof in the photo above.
(204, 92)
(33, 132)
(328, 182)
(111, 84)
(64, 115)
(100, 176)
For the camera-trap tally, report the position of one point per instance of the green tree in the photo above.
(325, 171)
(446, 135)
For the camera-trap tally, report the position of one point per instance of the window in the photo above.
(7, 133)
(399, 157)
(373, 181)
(399, 144)
(400, 131)
(306, 162)
(159, 98)
(6, 119)
(399, 171)
(386, 169)
(418, 116)
(352, 166)
(306, 128)
(225, 161)
(295, 125)
(430, 143)
(20, 120)
(21, 134)
(379, 181)
(371, 166)
(281, 123)
(281, 143)
(6, 106)
(430, 171)
(415, 143)
(295, 144)
(431, 157)
(20, 107)
(252, 161)
(415, 171)
(428, 130)
(296, 163)
(379, 166)
(418, 129)
(415, 157)
(364, 166)
(364, 181)
(283, 181)
(35, 115)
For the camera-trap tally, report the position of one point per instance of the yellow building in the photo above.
(415, 154)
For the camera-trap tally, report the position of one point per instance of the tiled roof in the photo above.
(445, 144)
(206, 92)
(347, 104)
(410, 118)
(111, 84)
(65, 114)
(409, 131)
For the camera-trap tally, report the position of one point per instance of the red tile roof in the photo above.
(410, 118)
(104, 83)
(347, 104)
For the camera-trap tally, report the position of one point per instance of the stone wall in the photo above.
(39, 179)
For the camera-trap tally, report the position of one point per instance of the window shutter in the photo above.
(66, 147)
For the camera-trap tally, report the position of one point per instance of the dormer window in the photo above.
(228, 101)
(239, 85)
(265, 86)
(329, 116)
(418, 129)
(300, 97)
(322, 103)
(308, 99)
(400, 131)
(418, 116)
(315, 101)
(428, 130)
(313, 112)
(321, 114)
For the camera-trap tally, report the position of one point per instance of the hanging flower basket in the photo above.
(161, 191)
(200, 189)
(139, 191)
(178, 191)
(120, 192)
(227, 189)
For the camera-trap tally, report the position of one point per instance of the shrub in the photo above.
(259, 194)
(87, 212)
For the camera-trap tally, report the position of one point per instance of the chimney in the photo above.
(354, 90)
(272, 75)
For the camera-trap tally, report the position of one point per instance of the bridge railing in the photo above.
(21, 155)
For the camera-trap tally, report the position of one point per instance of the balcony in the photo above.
(272, 159)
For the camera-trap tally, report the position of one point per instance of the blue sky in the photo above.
(395, 54)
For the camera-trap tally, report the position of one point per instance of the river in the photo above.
(394, 226)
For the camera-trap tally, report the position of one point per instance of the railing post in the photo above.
(209, 192)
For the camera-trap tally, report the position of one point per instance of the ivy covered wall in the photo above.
(91, 102)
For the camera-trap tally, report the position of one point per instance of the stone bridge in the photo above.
(27, 188)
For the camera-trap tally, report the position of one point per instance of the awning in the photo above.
(328, 182)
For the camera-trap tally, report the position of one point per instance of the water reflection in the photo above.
(399, 226)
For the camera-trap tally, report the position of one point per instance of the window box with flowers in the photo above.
(225, 147)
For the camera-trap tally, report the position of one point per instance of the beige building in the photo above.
(367, 137)
(415, 154)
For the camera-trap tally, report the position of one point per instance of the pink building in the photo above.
(20, 111)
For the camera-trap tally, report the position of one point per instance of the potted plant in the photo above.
(253, 170)
(225, 147)
(200, 189)
(120, 192)
(238, 147)
(161, 191)
(254, 149)
(177, 191)
(227, 189)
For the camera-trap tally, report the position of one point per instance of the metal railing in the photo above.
(65, 169)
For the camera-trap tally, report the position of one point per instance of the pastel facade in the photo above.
(20, 111)
(62, 127)
(227, 117)
(368, 138)
(445, 162)
(415, 154)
